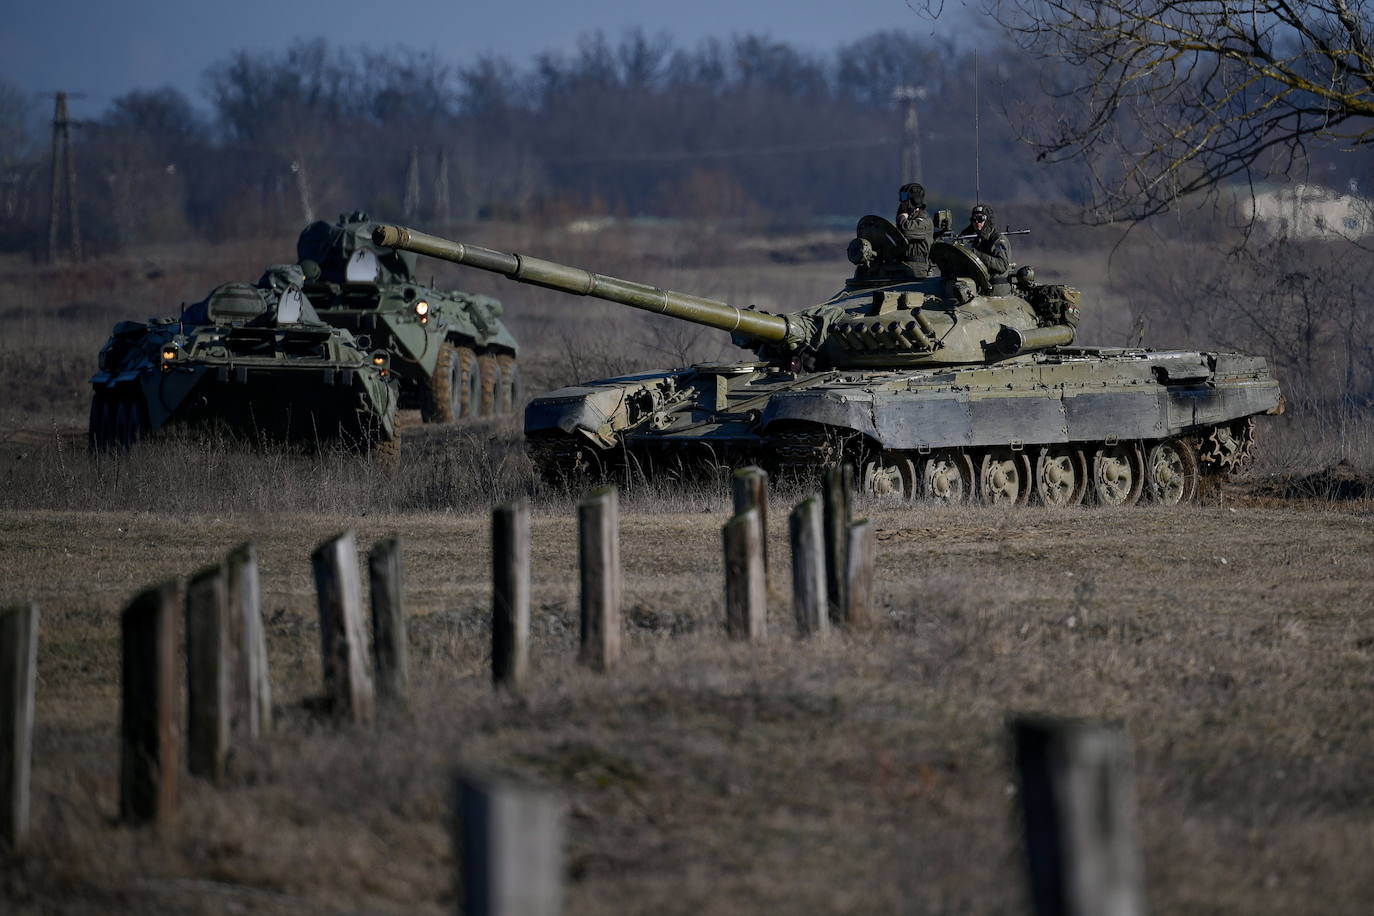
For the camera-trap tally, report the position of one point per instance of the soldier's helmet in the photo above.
(913, 192)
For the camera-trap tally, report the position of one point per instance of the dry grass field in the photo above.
(860, 773)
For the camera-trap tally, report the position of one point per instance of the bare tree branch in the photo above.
(1176, 97)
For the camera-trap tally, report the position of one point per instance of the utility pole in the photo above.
(303, 188)
(909, 169)
(63, 182)
(442, 211)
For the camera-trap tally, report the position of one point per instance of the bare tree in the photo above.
(1165, 98)
(19, 122)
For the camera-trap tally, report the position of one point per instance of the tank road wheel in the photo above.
(890, 474)
(1004, 477)
(947, 477)
(454, 389)
(469, 384)
(1061, 477)
(131, 420)
(489, 375)
(1118, 475)
(385, 450)
(508, 389)
(1171, 473)
(440, 404)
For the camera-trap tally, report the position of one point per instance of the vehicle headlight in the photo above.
(422, 308)
(169, 354)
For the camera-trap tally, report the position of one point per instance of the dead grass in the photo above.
(865, 772)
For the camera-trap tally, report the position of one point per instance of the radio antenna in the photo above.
(977, 145)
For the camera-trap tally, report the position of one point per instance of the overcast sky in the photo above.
(105, 48)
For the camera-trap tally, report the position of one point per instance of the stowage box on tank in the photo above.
(253, 358)
(938, 386)
(451, 353)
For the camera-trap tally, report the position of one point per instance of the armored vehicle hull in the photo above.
(1056, 427)
(450, 352)
(946, 387)
(250, 359)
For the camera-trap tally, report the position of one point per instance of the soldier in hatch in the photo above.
(989, 244)
(916, 228)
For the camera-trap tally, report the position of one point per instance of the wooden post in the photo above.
(839, 483)
(510, 849)
(746, 589)
(510, 593)
(808, 567)
(208, 684)
(18, 686)
(149, 743)
(861, 553)
(599, 537)
(390, 643)
(749, 487)
(1078, 799)
(252, 681)
(343, 637)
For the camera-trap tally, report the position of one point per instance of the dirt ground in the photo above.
(864, 772)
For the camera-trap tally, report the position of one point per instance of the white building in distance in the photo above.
(1309, 211)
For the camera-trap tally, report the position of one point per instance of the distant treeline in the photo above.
(744, 128)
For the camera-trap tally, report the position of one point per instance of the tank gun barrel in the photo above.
(760, 326)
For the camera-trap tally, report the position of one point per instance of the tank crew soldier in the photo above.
(916, 227)
(989, 244)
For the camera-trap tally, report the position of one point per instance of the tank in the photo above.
(949, 387)
(449, 350)
(252, 358)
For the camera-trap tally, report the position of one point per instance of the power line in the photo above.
(865, 143)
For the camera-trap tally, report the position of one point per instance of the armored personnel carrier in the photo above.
(449, 350)
(253, 358)
(935, 386)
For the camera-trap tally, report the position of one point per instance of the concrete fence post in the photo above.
(861, 556)
(746, 588)
(18, 686)
(344, 648)
(252, 686)
(209, 660)
(839, 485)
(391, 661)
(599, 538)
(510, 594)
(510, 849)
(149, 739)
(749, 490)
(1078, 800)
(807, 535)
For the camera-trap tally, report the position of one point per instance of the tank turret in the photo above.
(881, 319)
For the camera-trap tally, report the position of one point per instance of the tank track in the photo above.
(1229, 449)
(563, 462)
(1173, 470)
(799, 448)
